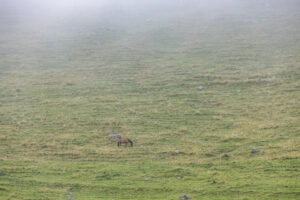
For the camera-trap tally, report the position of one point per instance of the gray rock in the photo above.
(254, 151)
(200, 87)
(184, 196)
(70, 197)
(176, 151)
(238, 90)
(114, 136)
(197, 142)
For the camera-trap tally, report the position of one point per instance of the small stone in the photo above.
(197, 142)
(225, 156)
(254, 151)
(238, 90)
(114, 136)
(200, 87)
(176, 151)
(70, 197)
(184, 196)
(178, 177)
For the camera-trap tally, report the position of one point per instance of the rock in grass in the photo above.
(177, 151)
(114, 136)
(238, 91)
(70, 197)
(200, 87)
(254, 151)
(225, 156)
(184, 196)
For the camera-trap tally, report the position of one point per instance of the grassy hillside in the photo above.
(66, 84)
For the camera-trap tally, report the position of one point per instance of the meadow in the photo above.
(65, 85)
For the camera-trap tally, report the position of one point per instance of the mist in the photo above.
(130, 12)
(34, 11)
(28, 27)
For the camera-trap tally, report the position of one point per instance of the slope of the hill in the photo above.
(66, 83)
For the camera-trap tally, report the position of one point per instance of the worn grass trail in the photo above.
(65, 88)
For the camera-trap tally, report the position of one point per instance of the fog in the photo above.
(26, 11)
(31, 24)
(49, 12)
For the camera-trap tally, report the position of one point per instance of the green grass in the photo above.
(64, 90)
